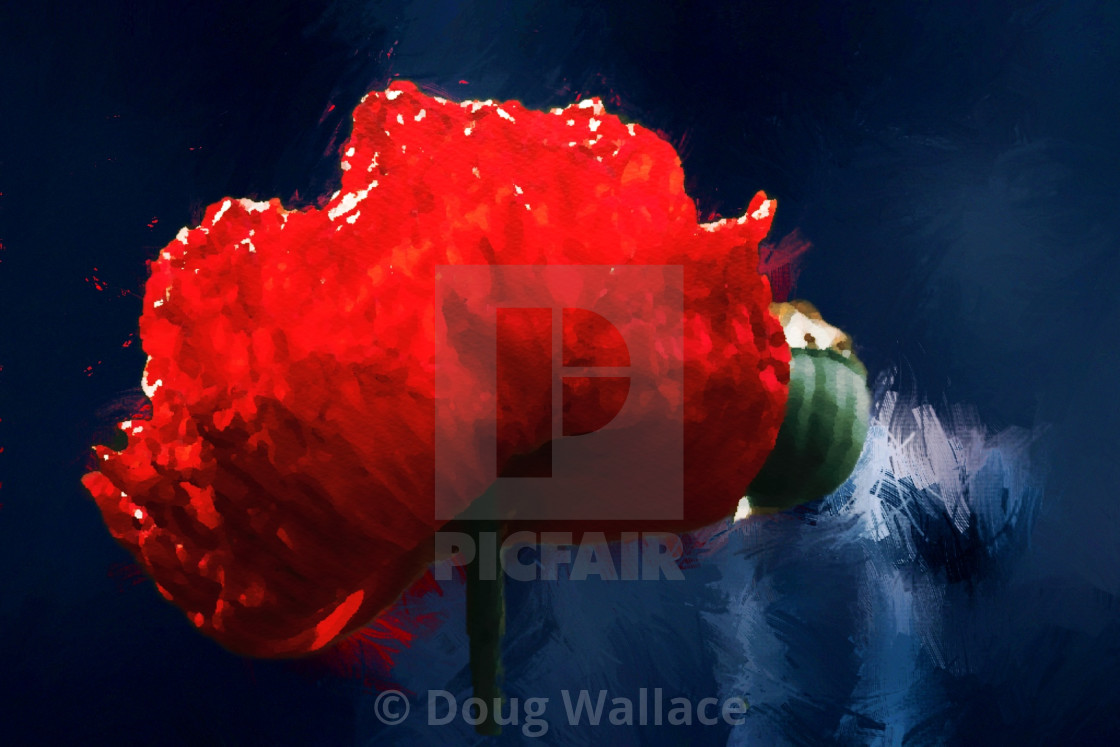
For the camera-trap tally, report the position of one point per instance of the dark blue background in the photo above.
(956, 166)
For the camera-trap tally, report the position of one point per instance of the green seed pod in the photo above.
(826, 419)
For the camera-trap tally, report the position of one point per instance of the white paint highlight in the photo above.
(221, 211)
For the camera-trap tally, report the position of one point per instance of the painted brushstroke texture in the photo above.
(955, 166)
(319, 409)
(848, 622)
(853, 620)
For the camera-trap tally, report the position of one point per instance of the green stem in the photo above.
(486, 623)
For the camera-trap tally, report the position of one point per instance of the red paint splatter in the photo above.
(369, 654)
(286, 470)
(781, 262)
(126, 575)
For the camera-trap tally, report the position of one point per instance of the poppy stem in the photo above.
(486, 621)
